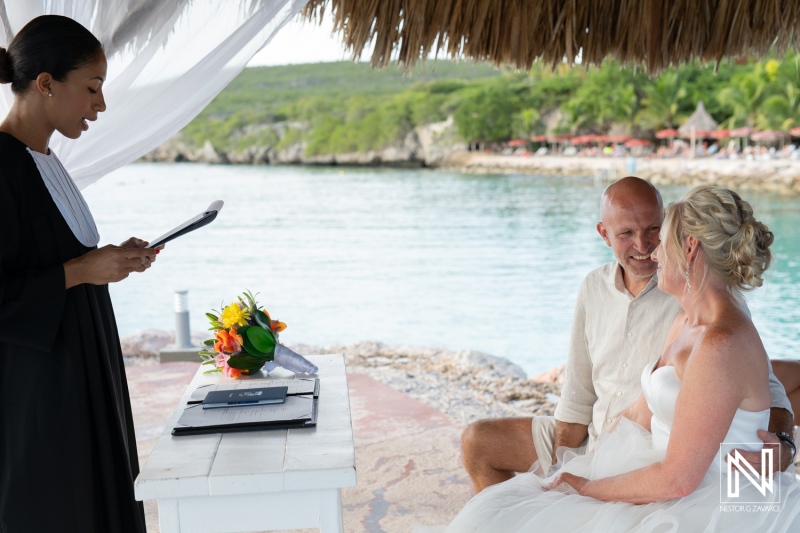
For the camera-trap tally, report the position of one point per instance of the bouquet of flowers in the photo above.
(246, 339)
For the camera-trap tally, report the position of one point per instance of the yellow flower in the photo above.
(771, 68)
(234, 315)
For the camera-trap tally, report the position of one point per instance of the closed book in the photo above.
(244, 397)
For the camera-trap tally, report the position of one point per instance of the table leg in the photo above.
(168, 516)
(330, 512)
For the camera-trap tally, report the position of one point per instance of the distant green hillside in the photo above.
(274, 89)
(344, 106)
(351, 107)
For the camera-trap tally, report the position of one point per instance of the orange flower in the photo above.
(228, 342)
(231, 372)
(275, 325)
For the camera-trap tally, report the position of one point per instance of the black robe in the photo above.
(67, 447)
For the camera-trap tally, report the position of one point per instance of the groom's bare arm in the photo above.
(569, 435)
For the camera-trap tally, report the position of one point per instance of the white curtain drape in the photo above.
(167, 59)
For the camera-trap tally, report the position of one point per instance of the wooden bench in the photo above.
(256, 481)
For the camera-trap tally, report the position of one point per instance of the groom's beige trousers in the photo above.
(543, 431)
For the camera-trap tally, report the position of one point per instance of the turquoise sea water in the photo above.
(428, 258)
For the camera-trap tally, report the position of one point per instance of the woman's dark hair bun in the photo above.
(6, 70)
(49, 43)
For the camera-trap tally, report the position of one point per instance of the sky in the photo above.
(302, 42)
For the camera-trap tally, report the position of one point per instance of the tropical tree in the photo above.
(665, 98)
(487, 110)
(607, 96)
(524, 123)
(744, 98)
(782, 111)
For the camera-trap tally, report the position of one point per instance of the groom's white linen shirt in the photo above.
(614, 336)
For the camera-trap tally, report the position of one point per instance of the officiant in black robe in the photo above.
(68, 454)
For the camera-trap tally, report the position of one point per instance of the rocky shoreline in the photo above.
(438, 146)
(463, 385)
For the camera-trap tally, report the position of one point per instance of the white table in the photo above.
(260, 480)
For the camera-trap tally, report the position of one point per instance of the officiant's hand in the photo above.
(106, 265)
(147, 261)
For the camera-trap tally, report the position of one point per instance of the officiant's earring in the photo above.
(49, 94)
(688, 281)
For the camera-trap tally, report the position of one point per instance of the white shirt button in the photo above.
(608, 420)
(624, 365)
(630, 334)
(619, 394)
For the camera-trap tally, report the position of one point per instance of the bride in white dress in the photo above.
(661, 466)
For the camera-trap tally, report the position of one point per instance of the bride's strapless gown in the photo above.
(521, 504)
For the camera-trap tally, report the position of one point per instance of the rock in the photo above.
(439, 142)
(554, 376)
(425, 146)
(146, 343)
(208, 154)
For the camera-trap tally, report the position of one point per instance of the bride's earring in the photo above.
(688, 281)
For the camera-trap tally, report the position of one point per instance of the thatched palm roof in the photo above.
(655, 33)
(700, 120)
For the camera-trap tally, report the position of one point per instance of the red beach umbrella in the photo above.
(634, 143)
(539, 138)
(721, 134)
(667, 134)
(742, 132)
(516, 143)
(767, 135)
(794, 132)
(618, 139)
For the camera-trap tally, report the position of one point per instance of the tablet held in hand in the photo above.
(203, 219)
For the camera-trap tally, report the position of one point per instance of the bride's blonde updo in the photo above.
(734, 243)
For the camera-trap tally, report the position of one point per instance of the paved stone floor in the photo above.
(407, 454)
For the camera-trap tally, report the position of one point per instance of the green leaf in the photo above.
(262, 340)
(246, 361)
(212, 371)
(209, 342)
(249, 348)
(207, 362)
(263, 320)
(212, 317)
(247, 343)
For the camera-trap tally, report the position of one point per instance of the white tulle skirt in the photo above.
(521, 503)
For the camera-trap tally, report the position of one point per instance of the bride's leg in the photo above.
(494, 449)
